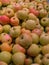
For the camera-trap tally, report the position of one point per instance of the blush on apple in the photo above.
(34, 11)
(37, 31)
(4, 19)
(17, 6)
(5, 2)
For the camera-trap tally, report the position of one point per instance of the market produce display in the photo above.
(24, 32)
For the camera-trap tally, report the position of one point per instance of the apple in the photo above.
(40, 6)
(18, 58)
(6, 47)
(45, 21)
(23, 30)
(5, 2)
(33, 50)
(5, 56)
(42, 13)
(30, 24)
(4, 19)
(38, 59)
(3, 63)
(6, 28)
(46, 7)
(22, 14)
(9, 12)
(32, 5)
(33, 17)
(28, 61)
(35, 38)
(18, 48)
(37, 31)
(14, 21)
(34, 11)
(15, 31)
(25, 40)
(45, 59)
(6, 38)
(16, 6)
(45, 49)
(44, 39)
(47, 29)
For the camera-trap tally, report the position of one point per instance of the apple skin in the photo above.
(22, 14)
(40, 27)
(45, 59)
(47, 29)
(44, 39)
(23, 30)
(16, 6)
(17, 48)
(2, 12)
(1, 28)
(6, 28)
(6, 47)
(5, 2)
(15, 31)
(37, 31)
(4, 19)
(34, 11)
(28, 61)
(35, 38)
(14, 21)
(42, 13)
(6, 38)
(18, 58)
(38, 59)
(9, 12)
(45, 49)
(32, 5)
(25, 40)
(5, 57)
(3, 63)
(33, 50)
(30, 24)
(33, 17)
(23, 24)
(40, 6)
(46, 7)
(45, 21)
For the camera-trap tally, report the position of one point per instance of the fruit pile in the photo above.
(24, 32)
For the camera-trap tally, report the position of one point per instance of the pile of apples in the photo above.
(24, 32)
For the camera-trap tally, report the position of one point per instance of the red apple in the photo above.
(14, 21)
(4, 19)
(34, 11)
